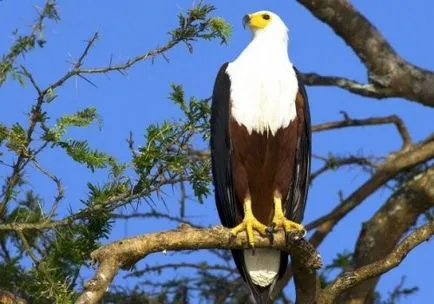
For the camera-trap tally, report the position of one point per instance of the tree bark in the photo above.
(389, 75)
(383, 231)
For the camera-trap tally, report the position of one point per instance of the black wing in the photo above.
(221, 149)
(296, 201)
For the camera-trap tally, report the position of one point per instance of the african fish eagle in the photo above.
(261, 148)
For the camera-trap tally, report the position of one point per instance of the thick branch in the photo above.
(9, 298)
(389, 74)
(384, 230)
(306, 282)
(350, 279)
(393, 165)
(124, 253)
(367, 90)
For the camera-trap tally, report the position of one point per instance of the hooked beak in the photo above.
(246, 20)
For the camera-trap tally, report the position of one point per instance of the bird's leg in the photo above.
(279, 219)
(249, 224)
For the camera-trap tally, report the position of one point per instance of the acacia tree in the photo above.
(58, 246)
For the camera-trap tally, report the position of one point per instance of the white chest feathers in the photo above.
(263, 93)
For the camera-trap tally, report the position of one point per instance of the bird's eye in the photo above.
(266, 16)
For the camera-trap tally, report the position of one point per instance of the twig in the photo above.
(60, 190)
(333, 163)
(394, 164)
(89, 45)
(77, 70)
(24, 156)
(32, 80)
(175, 266)
(348, 122)
(16, 49)
(155, 214)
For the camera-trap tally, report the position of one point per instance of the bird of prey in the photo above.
(261, 148)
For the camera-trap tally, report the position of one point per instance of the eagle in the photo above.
(261, 149)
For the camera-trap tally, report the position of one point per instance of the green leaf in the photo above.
(197, 23)
(80, 152)
(4, 131)
(82, 118)
(221, 28)
(16, 139)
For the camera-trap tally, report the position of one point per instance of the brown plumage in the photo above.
(264, 163)
(260, 149)
(256, 165)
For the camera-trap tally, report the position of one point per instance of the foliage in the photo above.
(44, 249)
(167, 150)
(43, 265)
(25, 43)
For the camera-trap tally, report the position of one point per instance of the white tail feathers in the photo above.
(262, 266)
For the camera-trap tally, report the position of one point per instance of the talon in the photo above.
(288, 226)
(279, 220)
(249, 224)
(270, 234)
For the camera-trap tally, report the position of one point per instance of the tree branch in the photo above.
(334, 162)
(367, 90)
(389, 75)
(77, 70)
(372, 121)
(199, 266)
(127, 252)
(350, 279)
(155, 214)
(394, 164)
(9, 298)
(383, 231)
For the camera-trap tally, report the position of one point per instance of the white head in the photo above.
(267, 25)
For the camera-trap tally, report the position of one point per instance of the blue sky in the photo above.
(131, 103)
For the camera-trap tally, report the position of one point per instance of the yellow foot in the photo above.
(279, 221)
(249, 224)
